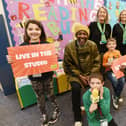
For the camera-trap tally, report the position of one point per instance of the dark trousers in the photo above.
(112, 123)
(44, 87)
(76, 100)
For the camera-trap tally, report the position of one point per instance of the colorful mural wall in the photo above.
(56, 15)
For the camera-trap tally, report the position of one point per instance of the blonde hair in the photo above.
(107, 17)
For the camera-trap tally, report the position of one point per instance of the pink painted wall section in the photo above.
(56, 16)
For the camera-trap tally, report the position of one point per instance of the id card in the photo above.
(103, 122)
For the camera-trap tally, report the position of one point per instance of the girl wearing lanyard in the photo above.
(119, 32)
(41, 83)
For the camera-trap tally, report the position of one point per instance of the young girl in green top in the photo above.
(97, 103)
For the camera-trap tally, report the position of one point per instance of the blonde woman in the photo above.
(100, 30)
(119, 32)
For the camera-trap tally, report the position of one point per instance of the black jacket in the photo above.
(118, 35)
(95, 35)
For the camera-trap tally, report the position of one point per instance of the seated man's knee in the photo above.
(75, 86)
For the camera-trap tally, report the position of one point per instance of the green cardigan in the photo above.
(104, 105)
(89, 60)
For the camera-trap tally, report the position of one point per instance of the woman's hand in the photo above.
(9, 59)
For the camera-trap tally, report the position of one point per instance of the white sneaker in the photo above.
(78, 123)
(115, 102)
(82, 108)
(120, 100)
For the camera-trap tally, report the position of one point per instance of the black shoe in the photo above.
(55, 116)
(115, 102)
(44, 120)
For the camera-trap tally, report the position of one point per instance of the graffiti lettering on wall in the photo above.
(114, 8)
(57, 16)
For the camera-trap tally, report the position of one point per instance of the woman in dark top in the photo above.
(119, 32)
(100, 30)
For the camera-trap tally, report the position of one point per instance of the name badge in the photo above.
(103, 122)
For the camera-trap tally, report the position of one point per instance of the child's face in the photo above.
(95, 83)
(111, 45)
(34, 32)
(82, 36)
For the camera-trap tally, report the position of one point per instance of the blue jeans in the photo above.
(117, 84)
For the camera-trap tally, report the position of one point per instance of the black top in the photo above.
(95, 35)
(118, 35)
(43, 75)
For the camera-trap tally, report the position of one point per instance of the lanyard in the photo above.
(123, 28)
(99, 109)
(103, 38)
(99, 114)
(124, 33)
(100, 28)
(31, 43)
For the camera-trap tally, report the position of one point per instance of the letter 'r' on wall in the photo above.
(22, 10)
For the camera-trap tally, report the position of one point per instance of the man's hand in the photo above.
(84, 79)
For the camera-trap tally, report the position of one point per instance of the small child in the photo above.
(41, 83)
(117, 84)
(96, 101)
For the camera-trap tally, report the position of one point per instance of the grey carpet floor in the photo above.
(12, 115)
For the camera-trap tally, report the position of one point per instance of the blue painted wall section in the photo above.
(6, 76)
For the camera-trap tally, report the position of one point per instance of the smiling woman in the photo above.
(100, 31)
(119, 32)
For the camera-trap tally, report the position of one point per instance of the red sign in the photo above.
(116, 66)
(33, 59)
